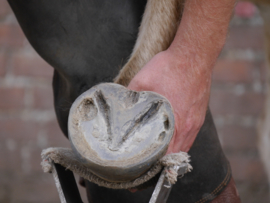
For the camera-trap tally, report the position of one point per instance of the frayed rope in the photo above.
(169, 162)
(68, 159)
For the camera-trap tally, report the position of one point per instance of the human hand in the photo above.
(186, 87)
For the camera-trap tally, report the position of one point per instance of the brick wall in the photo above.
(28, 124)
(237, 99)
(27, 118)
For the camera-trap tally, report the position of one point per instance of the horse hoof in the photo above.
(118, 133)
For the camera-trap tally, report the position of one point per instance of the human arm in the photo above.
(183, 72)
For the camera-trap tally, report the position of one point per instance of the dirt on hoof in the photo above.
(118, 133)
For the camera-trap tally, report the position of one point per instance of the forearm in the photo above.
(202, 31)
(182, 73)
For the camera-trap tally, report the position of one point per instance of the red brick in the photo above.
(10, 160)
(4, 193)
(11, 98)
(263, 68)
(55, 136)
(39, 187)
(36, 160)
(33, 191)
(4, 8)
(43, 98)
(15, 159)
(6, 177)
(11, 36)
(247, 169)
(31, 65)
(20, 131)
(238, 138)
(24, 134)
(15, 137)
(33, 161)
(222, 102)
(232, 71)
(3, 61)
(245, 37)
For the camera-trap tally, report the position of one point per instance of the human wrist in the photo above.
(190, 63)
